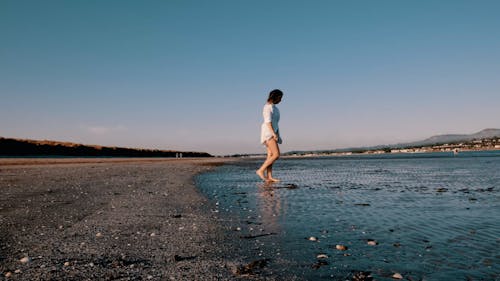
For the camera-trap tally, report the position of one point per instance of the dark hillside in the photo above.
(19, 147)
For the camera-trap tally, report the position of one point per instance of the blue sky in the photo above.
(194, 75)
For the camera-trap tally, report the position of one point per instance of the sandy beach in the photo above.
(106, 219)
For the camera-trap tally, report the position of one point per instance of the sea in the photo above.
(427, 216)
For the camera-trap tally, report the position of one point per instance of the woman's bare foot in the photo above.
(273, 180)
(261, 175)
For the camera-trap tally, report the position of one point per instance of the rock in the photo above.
(312, 238)
(25, 260)
(181, 258)
(322, 256)
(397, 276)
(372, 242)
(17, 271)
(319, 264)
(251, 267)
(362, 276)
(341, 247)
(152, 234)
(8, 274)
(66, 263)
(150, 277)
(98, 234)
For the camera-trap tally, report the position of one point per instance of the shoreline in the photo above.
(149, 222)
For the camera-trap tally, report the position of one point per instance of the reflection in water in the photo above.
(269, 206)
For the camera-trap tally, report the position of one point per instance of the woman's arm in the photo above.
(270, 126)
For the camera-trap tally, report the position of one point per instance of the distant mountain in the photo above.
(453, 138)
(434, 140)
(23, 147)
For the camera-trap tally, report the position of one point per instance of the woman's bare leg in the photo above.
(269, 169)
(272, 155)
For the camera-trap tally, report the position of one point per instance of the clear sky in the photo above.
(194, 75)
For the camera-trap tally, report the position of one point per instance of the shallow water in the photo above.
(433, 216)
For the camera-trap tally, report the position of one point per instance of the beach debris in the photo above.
(181, 258)
(322, 256)
(372, 242)
(397, 276)
(312, 238)
(362, 276)
(25, 260)
(442, 189)
(176, 216)
(319, 264)
(257, 235)
(252, 267)
(362, 204)
(98, 234)
(291, 186)
(341, 247)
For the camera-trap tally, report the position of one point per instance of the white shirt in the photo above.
(271, 114)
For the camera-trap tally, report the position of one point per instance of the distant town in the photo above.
(472, 145)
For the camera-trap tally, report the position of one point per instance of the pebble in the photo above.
(372, 242)
(66, 263)
(17, 271)
(341, 247)
(98, 234)
(321, 256)
(238, 229)
(362, 276)
(8, 274)
(150, 277)
(152, 234)
(25, 260)
(397, 276)
(312, 238)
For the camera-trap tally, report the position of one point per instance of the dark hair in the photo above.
(275, 95)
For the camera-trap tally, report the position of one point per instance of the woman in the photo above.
(270, 135)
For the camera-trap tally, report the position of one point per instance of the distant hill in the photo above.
(442, 139)
(434, 140)
(23, 147)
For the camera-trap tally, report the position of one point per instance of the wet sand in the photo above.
(104, 219)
